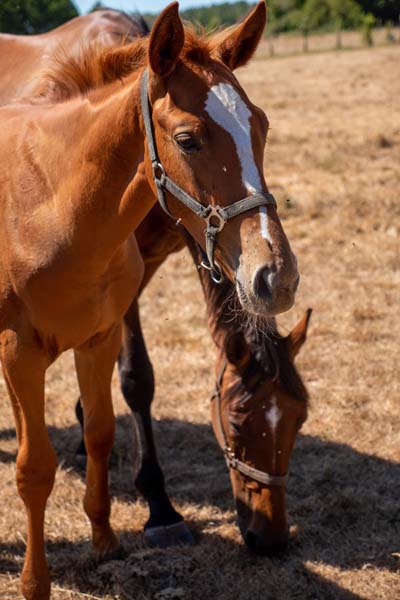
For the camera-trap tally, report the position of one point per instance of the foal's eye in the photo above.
(187, 142)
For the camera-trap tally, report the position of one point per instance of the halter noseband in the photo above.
(231, 460)
(215, 216)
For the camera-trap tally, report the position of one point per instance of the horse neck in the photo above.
(102, 189)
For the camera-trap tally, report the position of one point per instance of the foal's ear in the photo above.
(237, 350)
(298, 335)
(239, 46)
(166, 41)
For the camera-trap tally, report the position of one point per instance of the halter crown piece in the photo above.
(233, 462)
(215, 216)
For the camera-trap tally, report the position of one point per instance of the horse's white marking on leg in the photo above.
(273, 416)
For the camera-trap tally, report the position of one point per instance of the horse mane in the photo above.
(269, 355)
(98, 64)
(137, 21)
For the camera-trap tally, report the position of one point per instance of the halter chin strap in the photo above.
(215, 216)
(231, 460)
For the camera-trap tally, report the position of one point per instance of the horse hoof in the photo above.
(117, 553)
(35, 589)
(107, 545)
(169, 535)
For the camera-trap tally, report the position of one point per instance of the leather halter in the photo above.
(231, 460)
(215, 216)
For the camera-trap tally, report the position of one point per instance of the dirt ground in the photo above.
(333, 161)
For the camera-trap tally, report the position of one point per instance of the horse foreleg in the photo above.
(94, 365)
(165, 525)
(24, 365)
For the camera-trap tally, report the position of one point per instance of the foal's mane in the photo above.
(98, 64)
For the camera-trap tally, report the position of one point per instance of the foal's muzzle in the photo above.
(264, 547)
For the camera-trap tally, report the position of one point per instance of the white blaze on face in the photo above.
(226, 107)
(264, 224)
(273, 416)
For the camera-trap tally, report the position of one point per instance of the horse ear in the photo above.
(239, 46)
(298, 335)
(237, 350)
(166, 41)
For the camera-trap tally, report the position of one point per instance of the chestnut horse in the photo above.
(82, 162)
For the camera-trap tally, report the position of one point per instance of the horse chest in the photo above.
(71, 303)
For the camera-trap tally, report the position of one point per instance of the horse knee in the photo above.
(35, 475)
(99, 439)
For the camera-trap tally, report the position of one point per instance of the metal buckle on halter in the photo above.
(215, 214)
(229, 456)
(158, 169)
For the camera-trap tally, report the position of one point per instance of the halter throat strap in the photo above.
(230, 458)
(215, 216)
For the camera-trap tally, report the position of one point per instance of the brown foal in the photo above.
(75, 181)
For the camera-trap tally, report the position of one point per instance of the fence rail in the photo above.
(295, 43)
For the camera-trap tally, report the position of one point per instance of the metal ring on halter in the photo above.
(158, 169)
(216, 273)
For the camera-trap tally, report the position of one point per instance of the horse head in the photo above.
(208, 143)
(258, 408)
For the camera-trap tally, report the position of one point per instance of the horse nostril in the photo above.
(263, 282)
(259, 546)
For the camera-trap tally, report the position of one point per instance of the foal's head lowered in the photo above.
(259, 405)
(209, 142)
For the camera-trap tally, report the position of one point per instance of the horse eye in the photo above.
(187, 142)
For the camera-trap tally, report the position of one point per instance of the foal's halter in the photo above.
(215, 216)
(231, 460)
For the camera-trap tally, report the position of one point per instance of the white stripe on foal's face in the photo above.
(226, 107)
(273, 416)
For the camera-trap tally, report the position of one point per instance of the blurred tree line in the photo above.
(35, 16)
(303, 15)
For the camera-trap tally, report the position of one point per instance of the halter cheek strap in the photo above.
(215, 217)
(233, 462)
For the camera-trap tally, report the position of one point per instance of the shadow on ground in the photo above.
(344, 503)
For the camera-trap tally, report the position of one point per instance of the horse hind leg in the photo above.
(165, 526)
(24, 365)
(94, 365)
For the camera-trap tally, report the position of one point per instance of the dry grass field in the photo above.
(333, 160)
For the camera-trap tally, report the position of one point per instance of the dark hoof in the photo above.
(169, 535)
